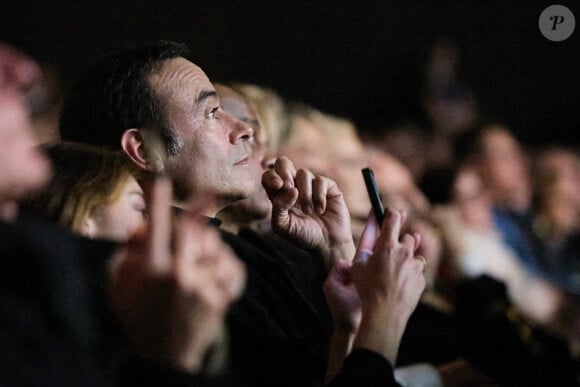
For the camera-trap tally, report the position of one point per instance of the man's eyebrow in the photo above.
(205, 95)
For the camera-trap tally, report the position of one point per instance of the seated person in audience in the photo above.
(57, 302)
(92, 193)
(305, 141)
(502, 166)
(393, 178)
(465, 216)
(18, 75)
(493, 288)
(556, 196)
(276, 332)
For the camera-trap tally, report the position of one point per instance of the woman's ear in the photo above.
(137, 148)
(89, 228)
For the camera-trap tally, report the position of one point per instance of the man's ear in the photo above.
(144, 149)
(133, 145)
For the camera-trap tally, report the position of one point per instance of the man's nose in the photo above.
(240, 131)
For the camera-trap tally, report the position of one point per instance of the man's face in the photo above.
(215, 154)
(257, 206)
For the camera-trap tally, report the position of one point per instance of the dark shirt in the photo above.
(56, 328)
(280, 328)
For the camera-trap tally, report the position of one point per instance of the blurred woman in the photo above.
(93, 193)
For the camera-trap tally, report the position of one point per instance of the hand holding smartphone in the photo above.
(374, 195)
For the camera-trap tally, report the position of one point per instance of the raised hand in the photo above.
(389, 282)
(309, 210)
(172, 284)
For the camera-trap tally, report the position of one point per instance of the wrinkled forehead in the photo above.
(181, 77)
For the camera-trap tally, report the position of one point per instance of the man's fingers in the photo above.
(320, 190)
(160, 225)
(271, 182)
(303, 183)
(285, 169)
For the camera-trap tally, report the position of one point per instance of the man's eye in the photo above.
(213, 112)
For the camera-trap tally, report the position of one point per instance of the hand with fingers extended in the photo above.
(172, 284)
(309, 210)
(389, 279)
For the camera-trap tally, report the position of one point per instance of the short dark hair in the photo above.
(115, 95)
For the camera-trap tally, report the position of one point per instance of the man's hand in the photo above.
(309, 210)
(389, 282)
(172, 284)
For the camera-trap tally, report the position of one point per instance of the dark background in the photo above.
(361, 60)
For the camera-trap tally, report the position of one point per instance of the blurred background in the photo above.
(371, 62)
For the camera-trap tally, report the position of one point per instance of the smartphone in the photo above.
(374, 196)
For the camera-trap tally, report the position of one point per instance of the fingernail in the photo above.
(289, 183)
(308, 209)
(320, 210)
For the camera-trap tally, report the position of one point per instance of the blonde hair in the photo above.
(270, 108)
(84, 179)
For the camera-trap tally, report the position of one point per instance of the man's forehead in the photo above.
(180, 73)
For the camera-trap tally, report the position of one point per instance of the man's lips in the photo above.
(243, 161)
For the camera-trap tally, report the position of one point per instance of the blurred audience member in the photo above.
(25, 168)
(502, 165)
(409, 144)
(394, 179)
(557, 196)
(271, 111)
(93, 193)
(504, 169)
(477, 248)
(306, 141)
(346, 160)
